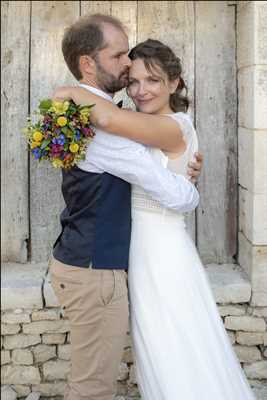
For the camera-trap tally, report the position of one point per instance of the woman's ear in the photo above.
(173, 85)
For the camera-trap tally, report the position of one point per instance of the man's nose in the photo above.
(127, 61)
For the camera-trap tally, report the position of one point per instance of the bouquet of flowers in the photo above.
(61, 133)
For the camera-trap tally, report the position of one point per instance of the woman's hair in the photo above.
(154, 53)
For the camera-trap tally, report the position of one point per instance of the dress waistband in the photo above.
(143, 203)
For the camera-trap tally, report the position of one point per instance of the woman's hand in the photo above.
(194, 169)
(62, 93)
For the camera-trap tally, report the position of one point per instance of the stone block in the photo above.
(252, 159)
(231, 310)
(252, 86)
(247, 354)
(231, 336)
(33, 396)
(265, 339)
(58, 326)
(260, 392)
(5, 357)
(257, 370)
(123, 372)
(16, 317)
(43, 353)
(20, 341)
(21, 286)
(51, 299)
(254, 261)
(245, 323)
(260, 312)
(229, 283)
(64, 351)
(253, 216)
(22, 357)
(53, 338)
(50, 389)
(132, 377)
(7, 393)
(10, 329)
(22, 390)
(249, 338)
(46, 315)
(245, 35)
(20, 375)
(53, 370)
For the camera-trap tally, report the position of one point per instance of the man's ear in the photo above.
(86, 64)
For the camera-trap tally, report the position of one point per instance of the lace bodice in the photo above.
(142, 200)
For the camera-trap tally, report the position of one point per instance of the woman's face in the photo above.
(150, 91)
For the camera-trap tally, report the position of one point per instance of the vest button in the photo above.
(62, 285)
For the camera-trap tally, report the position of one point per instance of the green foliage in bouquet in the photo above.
(61, 133)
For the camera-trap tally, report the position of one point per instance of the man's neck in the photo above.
(92, 83)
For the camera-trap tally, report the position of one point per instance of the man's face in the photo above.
(112, 62)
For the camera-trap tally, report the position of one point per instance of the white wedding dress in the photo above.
(182, 350)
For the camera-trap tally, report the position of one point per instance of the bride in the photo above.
(182, 350)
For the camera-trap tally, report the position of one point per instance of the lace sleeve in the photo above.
(179, 165)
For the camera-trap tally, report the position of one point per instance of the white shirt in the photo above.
(134, 163)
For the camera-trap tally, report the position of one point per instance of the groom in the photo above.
(91, 254)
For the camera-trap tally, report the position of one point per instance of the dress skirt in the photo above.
(182, 350)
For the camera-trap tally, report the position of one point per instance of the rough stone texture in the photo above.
(7, 393)
(59, 326)
(50, 389)
(64, 352)
(53, 338)
(22, 390)
(16, 317)
(260, 312)
(247, 354)
(43, 353)
(231, 336)
(229, 283)
(5, 357)
(8, 329)
(260, 392)
(249, 338)
(265, 339)
(46, 315)
(257, 370)
(49, 294)
(22, 286)
(127, 356)
(20, 375)
(22, 357)
(33, 396)
(231, 310)
(132, 376)
(245, 323)
(20, 341)
(54, 370)
(123, 372)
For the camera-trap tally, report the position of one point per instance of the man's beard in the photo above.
(108, 82)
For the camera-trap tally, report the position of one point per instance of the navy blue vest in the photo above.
(96, 223)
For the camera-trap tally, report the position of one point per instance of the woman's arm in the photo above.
(154, 130)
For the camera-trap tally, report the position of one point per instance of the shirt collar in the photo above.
(97, 91)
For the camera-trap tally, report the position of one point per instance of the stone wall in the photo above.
(35, 352)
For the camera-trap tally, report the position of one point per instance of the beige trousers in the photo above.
(96, 303)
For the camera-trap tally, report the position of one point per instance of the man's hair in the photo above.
(85, 37)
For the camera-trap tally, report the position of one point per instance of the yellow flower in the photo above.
(84, 119)
(74, 147)
(35, 144)
(62, 121)
(37, 136)
(59, 107)
(57, 163)
(85, 111)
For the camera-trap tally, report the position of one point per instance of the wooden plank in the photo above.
(172, 22)
(15, 30)
(48, 70)
(216, 107)
(93, 7)
(126, 12)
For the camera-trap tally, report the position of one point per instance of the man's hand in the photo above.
(194, 168)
